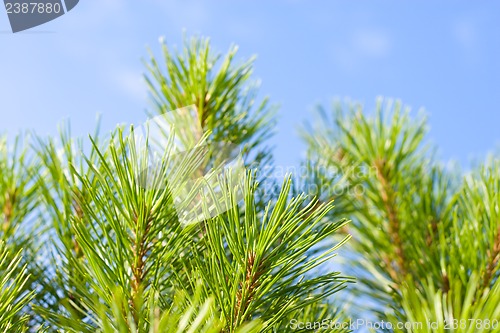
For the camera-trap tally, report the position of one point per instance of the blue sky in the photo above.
(441, 56)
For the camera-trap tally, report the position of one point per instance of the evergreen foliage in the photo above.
(12, 296)
(113, 253)
(425, 238)
(94, 237)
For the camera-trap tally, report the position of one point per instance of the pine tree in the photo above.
(156, 228)
(426, 238)
(106, 247)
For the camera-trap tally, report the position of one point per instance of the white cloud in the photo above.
(371, 43)
(131, 83)
(362, 46)
(464, 32)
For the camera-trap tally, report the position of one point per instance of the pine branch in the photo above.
(493, 258)
(262, 263)
(389, 203)
(220, 90)
(13, 297)
(440, 228)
